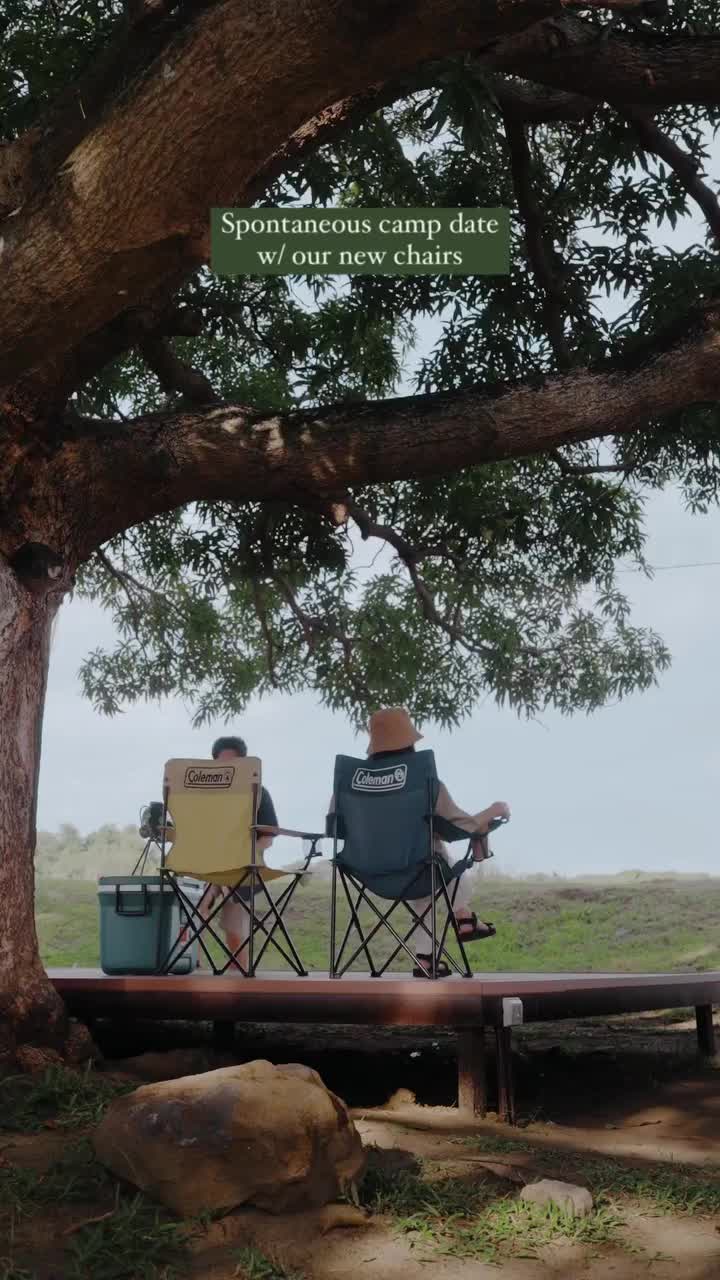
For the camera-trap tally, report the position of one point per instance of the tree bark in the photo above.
(129, 206)
(34, 1029)
(568, 54)
(116, 475)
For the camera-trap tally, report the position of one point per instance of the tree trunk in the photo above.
(34, 1028)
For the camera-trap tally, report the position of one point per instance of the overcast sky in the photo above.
(632, 786)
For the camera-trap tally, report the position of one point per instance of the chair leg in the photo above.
(451, 922)
(333, 915)
(194, 932)
(257, 925)
(472, 1085)
(356, 923)
(280, 926)
(433, 917)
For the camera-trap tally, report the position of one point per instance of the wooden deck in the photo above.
(393, 1000)
(467, 1004)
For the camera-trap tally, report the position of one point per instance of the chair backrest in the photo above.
(213, 805)
(382, 809)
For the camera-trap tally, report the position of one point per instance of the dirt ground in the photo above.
(629, 1091)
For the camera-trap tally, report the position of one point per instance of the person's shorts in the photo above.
(244, 894)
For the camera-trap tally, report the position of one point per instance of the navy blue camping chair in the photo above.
(384, 815)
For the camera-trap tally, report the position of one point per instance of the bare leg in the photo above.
(420, 937)
(463, 912)
(236, 927)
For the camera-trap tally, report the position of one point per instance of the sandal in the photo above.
(476, 932)
(442, 969)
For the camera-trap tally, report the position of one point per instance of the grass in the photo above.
(124, 1238)
(76, 1177)
(466, 1216)
(473, 1216)
(656, 1187)
(660, 923)
(254, 1265)
(136, 1242)
(60, 1097)
(490, 1144)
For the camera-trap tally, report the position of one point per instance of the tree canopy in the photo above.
(495, 574)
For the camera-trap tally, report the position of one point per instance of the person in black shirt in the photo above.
(234, 919)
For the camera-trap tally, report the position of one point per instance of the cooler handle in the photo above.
(123, 911)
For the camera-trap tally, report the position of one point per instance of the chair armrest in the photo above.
(287, 831)
(449, 831)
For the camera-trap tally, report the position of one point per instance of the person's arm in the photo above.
(209, 899)
(445, 807)
(266, 817)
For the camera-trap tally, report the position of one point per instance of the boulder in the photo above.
(576, 1201)
(258, 1134)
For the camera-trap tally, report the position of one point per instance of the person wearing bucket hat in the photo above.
(392, 732)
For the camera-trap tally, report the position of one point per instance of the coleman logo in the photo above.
(220, 777)
(380, 779)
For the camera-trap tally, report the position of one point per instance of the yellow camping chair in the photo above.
(213, 807)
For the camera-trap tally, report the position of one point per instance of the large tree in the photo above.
(203, 454)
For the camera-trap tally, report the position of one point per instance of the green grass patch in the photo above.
(661, 923)
(512, 1228)
(662, 1188)
(70, 1099)
(254, 1265)
(137, 1241)
(657, 1187)
(472, 1217)
(493, 1145)
(127, 1237)
(76, 1177)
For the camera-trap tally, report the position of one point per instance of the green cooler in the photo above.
(140, 919)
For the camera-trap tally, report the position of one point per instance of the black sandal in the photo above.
(477, 932)
(442, 969)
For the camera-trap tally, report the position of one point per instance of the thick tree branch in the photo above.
(522, 103)
(142, 247)
(129, 207)
(529, 104)
(165, 461)
(569, 54)
(31, 159)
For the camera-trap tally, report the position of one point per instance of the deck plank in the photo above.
(393, 1000)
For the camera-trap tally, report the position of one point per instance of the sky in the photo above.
(632, 786)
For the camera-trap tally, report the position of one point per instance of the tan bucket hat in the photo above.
(391, 730)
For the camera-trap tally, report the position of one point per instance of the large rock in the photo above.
(574, 1200)
(273, 1137)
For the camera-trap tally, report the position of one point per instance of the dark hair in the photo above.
(228, 744)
